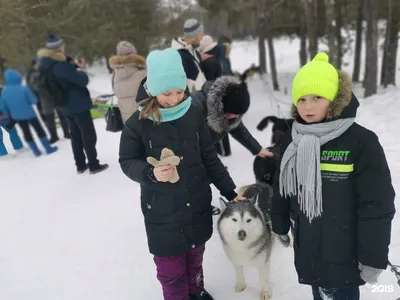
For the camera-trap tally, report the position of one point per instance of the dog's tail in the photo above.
(242, 190)
(264, 122)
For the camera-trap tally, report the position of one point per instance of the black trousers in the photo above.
(50, 121)
(25, 127)
(83, 139)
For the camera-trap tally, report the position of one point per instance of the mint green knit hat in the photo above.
(165, 71)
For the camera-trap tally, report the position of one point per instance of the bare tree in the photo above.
(303, 41)
(388, 71)
(357, 51)
(339, 25)
(371, 65)
(271, 51)
(310, 10)
(330, 30)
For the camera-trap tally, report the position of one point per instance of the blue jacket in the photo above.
(17, 100)
(72, 81)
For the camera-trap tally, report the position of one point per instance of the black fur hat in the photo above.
(236, 99)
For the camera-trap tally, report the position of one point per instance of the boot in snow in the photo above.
(83, 169)
(46, 144)
(98, 168)
(203, 295)
(34, 149)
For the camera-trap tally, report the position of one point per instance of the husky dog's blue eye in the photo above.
(248, 221)
(234, 220)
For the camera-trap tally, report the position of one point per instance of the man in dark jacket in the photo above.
(46, 106)
(73, 83)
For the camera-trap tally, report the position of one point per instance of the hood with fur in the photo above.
(216, 116)
(344, 106)
(55, 55)
(126, 65)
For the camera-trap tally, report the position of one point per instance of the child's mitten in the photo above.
(369, 274)
(167, 158)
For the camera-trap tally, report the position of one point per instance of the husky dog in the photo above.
(247, 238)
(264, 191)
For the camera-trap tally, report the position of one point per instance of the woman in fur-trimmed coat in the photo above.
(129, 70)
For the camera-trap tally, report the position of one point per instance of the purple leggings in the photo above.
(181, 275)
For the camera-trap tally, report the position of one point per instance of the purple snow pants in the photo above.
(181, 275)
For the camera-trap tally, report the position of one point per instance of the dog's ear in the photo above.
(222, 203)
(254, 199)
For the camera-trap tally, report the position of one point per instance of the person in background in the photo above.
(45, 105)
(191, 59)
(7, 124)
(211, 64)
(18, 101)
(129, 70)
(225, 47)
(73, 82)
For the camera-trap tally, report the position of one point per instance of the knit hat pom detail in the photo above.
(321, 57)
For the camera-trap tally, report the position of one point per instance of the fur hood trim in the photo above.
(341, 101)
(120, 61)
(216, 116)
(58, 56)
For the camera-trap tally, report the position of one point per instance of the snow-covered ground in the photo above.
(70, 237)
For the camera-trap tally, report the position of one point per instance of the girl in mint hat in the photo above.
(334, 187)
(178, 215)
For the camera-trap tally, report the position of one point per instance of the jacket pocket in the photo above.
(338, 243)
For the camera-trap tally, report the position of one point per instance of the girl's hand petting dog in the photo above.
(265, 153)
(163, 173)
(239, 198)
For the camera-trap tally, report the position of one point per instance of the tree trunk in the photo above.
(388, 71)
(357, 51)
(339, 24)
(303, 41)
(310, 13)
(262, 55)
(392, 51)
(330, 31)
(272, 62)
(371, 68)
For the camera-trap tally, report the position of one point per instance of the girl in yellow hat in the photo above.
(333, 189)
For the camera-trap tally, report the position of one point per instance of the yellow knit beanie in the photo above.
(318, 77)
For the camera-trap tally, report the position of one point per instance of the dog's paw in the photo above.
(266, 294)
(240, 287)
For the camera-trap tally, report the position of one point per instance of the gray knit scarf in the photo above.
(300, 166)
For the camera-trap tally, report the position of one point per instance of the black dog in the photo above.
(278, 129)
(266, 167)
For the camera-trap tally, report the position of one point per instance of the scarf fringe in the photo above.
(300, 165)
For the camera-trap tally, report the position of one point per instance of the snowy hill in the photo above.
(70, 237)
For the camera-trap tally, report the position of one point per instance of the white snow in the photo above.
(70, 237)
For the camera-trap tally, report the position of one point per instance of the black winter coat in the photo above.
(212, 66)
(177, 216)
(358, 206)
(209, 100)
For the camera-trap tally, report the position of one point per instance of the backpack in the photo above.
(49, 87)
